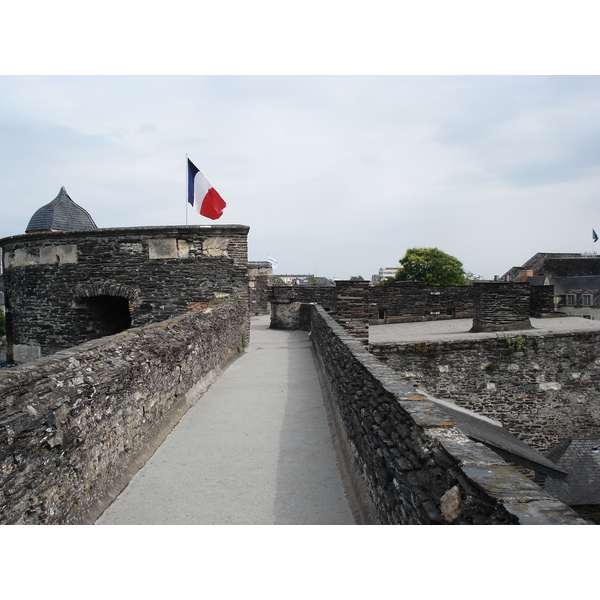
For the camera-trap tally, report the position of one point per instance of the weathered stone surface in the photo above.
(501, 306)
(410, 465)
(450, 504)
(260, 279)
(73, 425)
(543, 394)
(63, 288)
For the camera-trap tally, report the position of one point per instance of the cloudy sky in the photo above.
(335, 175)
(336, 172)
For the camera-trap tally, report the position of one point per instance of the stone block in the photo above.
(162, 248)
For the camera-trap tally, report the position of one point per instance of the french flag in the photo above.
(201, 195)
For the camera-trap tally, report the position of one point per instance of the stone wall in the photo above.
(322, 295)
(407, 301)
(352, 308)
(75, 426)
(63, 288)
(542, 388)
(501, 306)
(542, 301)
(409, 463)
(260, 279)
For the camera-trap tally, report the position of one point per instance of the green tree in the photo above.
(430, 266)
(2, 323)
(357, 278)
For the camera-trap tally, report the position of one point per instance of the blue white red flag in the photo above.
(202, 196)
(594, 236)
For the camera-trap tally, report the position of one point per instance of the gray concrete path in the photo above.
(255, 449)
(448, 330)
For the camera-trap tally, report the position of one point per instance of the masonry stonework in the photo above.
(76, 425)
(260, 278)
(407, 301)
(542, 388)
(64, 288)
(409, 462)
(501, 306)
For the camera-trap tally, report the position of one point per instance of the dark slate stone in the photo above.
(62, 214)
(581, 459)
(501, 441)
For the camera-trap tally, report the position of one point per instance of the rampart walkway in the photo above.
(255, 449)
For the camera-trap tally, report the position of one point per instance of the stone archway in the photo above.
(103, 309)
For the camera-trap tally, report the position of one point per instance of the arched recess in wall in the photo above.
(103, 309)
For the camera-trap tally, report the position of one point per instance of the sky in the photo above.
(335, 175)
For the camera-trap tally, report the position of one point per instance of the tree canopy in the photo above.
(430, 266)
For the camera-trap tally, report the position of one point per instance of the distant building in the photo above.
(291, 279)
(306, 280)
(384, 273)
(575, 277)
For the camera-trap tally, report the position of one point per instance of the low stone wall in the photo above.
(409, 463)
(408, 301)
(542, 388)
(76, 425)
(260, 279)
(542, 301)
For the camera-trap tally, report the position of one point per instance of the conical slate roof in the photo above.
(62, 214)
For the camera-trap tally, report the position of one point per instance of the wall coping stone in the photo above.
(483, 468)
(125, 231)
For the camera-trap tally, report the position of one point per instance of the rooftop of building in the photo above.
(61, 214)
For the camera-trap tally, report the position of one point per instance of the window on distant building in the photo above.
(571, 299)
(587, 299)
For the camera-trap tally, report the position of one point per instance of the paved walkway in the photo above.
(449, 330)
(255, 449)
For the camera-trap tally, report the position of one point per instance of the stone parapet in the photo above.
(408, 301)
(75, 426)
(501, 306)
(409, 462)
(542, 388)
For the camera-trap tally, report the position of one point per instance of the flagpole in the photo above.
(187, 183)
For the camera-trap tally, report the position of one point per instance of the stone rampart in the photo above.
(75, 426)
(409, 462)
(542, 301)
(64, 288)
(324, 296)
(542, 388)
(407, 301)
